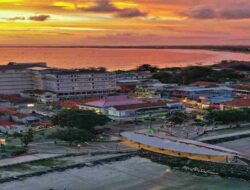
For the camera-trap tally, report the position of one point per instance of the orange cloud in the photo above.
(124, 21)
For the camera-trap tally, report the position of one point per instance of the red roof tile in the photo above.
(15, 99)
(6, 123)
(205, 83)
(72, 103)
(239, 103)
(7, 111)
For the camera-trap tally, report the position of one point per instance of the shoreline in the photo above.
(233, 49)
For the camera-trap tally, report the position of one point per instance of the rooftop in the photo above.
(171, 145)
(194, 88)
(111, 101)
(239, 102)
(205, 84)
(13, 65)
(6, 123)
(75, 71)
(72, 103)
(242, 86)
(141, 105)
(15, 99)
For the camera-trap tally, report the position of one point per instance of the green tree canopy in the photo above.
(74, 135)
(77, 125)
(230, 116)
(80, 119)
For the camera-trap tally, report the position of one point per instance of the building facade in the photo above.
(66, 83)
(15, 77)
(79, 83)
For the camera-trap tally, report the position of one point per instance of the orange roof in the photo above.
(238, 103)
(205, 83)
(72, 103)
(6, 123)
(8, 111)
(15, 99)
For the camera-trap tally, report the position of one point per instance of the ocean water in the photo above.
(116, 58)
(132, 174)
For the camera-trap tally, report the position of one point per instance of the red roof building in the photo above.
(235, 104)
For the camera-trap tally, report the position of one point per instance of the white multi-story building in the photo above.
(15, 77)
(66, 83)
(79, 83)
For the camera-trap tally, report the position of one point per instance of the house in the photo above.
(26, 118)
(194, 92)
(205, 84)
(235, 104)
(242, 89)
(5, 113)
(17, 101)
(19, 128)
(101, 105)
(71, 104)
(42, 96)
(127, 85)
(132, 111)
(6, 126)
(5, 104)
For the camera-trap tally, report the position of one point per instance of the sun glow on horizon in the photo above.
(124, 22)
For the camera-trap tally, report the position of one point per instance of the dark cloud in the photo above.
(39, 18)
(129, 13)
(235, 13)
(102, 6)
(203, 12)
(209, 12)
(106, 6)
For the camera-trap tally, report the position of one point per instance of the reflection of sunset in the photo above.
(116, 22)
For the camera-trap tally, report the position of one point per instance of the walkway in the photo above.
(25, 158)
(225, 136)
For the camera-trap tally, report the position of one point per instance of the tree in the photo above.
(147, 67)
(78, 125)
(177, 117)
(81, 119)
(25, 138)
(74, 135)
(230, 116)
(192, 74)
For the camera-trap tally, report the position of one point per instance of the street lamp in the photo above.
(79, 147)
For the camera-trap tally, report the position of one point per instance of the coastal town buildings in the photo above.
(42, 96)
(18, 78)
(79, 82)
(122, 107)
(235, 104)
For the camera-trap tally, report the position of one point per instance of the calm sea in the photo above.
(115, 58)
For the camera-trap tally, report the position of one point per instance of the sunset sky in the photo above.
(127, 22)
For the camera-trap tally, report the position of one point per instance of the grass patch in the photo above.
(19, 167)
(13, 149)
(47, 163)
